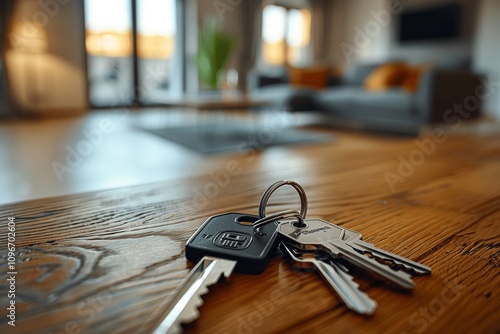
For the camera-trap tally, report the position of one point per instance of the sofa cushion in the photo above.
(385, 76)
(411, 81)
(309, 77)
(287, 97)
(355, 74)
(356, 103)
(339, 99)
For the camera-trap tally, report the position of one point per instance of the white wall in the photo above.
(453, 53)
(487, 50)
(365, 31)
(358, 31)
(54, 81)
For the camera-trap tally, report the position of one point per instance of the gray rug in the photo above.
(228, 138)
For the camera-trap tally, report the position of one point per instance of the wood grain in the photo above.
(106, 262)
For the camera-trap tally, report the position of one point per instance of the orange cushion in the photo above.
(310, 77)
(385, 76)
(412, 78)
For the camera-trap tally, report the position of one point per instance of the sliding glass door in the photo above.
(109, 43)
(132, 51)
(156, 49)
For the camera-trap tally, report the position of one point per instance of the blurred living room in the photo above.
(174, 80)
(126, 124)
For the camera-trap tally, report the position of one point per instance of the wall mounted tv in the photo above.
(434, 23)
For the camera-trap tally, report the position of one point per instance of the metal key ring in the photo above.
(274, 217)
(267, 194)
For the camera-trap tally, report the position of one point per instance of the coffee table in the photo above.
(212, 102)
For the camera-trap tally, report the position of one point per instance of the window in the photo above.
(119, 75)
(285, 36)
(109, 51)
(156, 48)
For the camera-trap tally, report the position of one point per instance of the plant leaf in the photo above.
(214, 49)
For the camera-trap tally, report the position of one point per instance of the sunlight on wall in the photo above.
(45, 58)
(44, 81)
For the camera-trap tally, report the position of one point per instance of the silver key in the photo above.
(339, 280)
(329, 238)
(353, 239)
(184, 306)
(218, 246)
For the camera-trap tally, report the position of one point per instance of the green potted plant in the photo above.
(214, 49)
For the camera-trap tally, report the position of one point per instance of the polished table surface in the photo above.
(107, 262)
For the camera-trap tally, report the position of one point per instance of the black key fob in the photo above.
(232, 236)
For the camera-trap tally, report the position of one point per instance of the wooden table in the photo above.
(106, 262)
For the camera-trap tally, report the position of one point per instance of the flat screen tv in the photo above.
(435, 23)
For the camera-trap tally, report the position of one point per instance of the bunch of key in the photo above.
(245, 243)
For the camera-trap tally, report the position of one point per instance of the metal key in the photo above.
(222, 243)
(329, 237)
(339, 280)
(353, 239)
(184, 305)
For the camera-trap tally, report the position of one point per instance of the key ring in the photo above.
(275, 216)
(267, 194)
(280, 215)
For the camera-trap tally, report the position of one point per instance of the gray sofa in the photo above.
(346, 103)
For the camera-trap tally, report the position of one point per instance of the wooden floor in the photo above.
(106, 262)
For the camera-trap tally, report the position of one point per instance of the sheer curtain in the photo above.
(251, 39)
(318, 31)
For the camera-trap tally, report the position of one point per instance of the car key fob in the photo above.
(232, 236)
